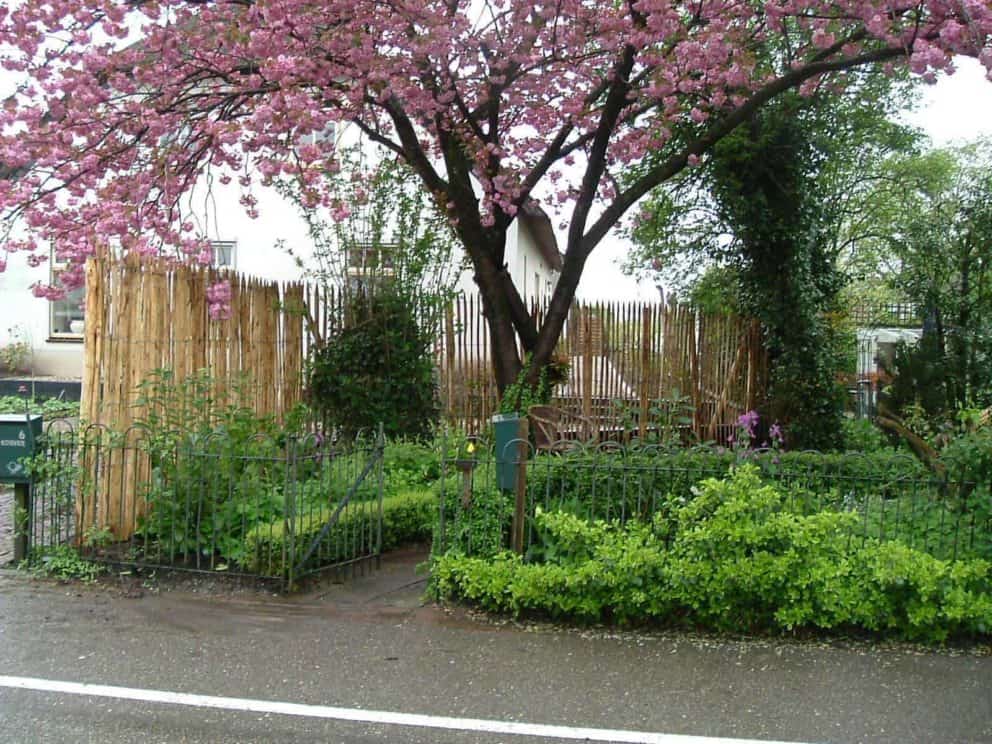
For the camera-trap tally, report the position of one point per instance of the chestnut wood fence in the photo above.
(142, 316)
(148, 315)
(632, 366)
(626, 361)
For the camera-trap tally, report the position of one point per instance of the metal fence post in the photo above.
(380, 454)
(520, 505)
(289, 529)
(22, 520)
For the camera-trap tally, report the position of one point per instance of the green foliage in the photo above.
(930, 242)
(376, 368)
(523, 393)
(479, 527)
(407, 517)
(607, 486)
(48, 407)
(15, 352)
(62, 562)
(919, 375)
(409, 464)
(760, 225)
(738, 560)
(861, 435)
(968, 457)
(211, 457)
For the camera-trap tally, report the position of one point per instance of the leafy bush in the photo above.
(738, 560)
(215, 465)
(376, 368)
(406, 518)
(861, 435)
(480, 527)
(62, 562)
(409, 464)
(969, 456)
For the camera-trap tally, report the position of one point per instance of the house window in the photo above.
(366, 258)
(225, 253)
(66, 320)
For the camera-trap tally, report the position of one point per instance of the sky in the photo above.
(956, 109)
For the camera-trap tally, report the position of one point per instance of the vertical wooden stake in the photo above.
(645, 391)
(520, 505)
(587, 370)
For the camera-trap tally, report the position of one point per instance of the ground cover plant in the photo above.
(735, 557)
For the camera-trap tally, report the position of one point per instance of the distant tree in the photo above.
(933, 243)
(770, 213)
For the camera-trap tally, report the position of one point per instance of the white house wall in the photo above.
(22, 315)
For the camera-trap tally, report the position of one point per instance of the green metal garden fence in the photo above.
(273, 508)
(894, 496)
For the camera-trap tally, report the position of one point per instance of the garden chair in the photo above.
(556, 430)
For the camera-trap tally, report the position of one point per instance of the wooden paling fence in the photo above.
(142, 316)
(624, 360)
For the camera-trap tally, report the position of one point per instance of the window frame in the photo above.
(64, 336)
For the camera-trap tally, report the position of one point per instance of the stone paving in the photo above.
(6, 524)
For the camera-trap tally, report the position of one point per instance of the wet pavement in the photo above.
(374, 644)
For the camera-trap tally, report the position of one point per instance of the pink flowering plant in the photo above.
(745, 437)
(126, 107)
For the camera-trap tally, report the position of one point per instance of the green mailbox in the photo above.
(18, 437)
(506, 427)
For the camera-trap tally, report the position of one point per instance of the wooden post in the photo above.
(520, 504)
(449, 367)
(587, 371)
(645, 391)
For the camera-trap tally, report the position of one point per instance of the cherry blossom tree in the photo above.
(129, 104)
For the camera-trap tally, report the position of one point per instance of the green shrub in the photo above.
(376, 368)
(406, 518)
(409, 464)
(216, 466)
(62, 562)
(861, 435)
(481, 529)
(738, 560)
(48, 407)
(968, 456)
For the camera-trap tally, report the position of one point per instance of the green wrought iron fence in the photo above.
(265, 507)
(894, 497)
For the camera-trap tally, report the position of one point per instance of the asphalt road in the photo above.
(372, 646)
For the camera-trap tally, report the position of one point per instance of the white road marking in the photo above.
(364, 716)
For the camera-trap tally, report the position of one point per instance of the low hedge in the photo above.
(407, 517)
(612, 485)
(733, 558)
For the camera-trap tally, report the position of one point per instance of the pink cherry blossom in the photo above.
(127, 106)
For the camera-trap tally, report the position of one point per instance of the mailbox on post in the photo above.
(18, 436)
